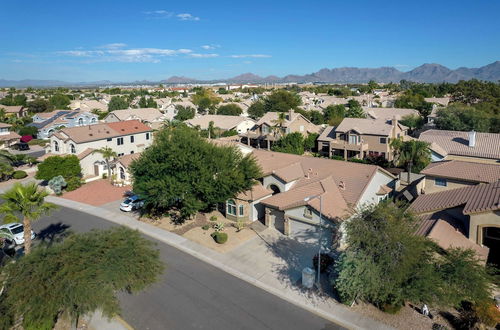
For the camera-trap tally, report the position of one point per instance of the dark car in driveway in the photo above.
(21, 146)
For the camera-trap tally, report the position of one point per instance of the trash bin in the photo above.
(308, 277)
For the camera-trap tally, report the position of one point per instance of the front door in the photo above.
(96, 170)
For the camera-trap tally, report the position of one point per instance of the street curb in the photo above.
(177, 241)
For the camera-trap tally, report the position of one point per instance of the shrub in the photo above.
(390, 308)
(57, 184)
(326, 262)
(239, 225)
(219, 237)
(218, 227)
(487, 313)
(73, 183)
(66, 166)
(205, 227)
(213, 218)
(104, 175)
(19, 175)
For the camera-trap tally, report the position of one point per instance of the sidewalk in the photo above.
(239, 264)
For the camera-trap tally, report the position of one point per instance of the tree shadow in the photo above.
(53, 233)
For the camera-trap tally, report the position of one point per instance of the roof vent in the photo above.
(90, 134)
(123, 129)
(136, 127)
(342, 185)
(472, 139)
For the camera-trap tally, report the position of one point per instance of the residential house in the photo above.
(360, 138)
(452, 174)
(14, 110)
(389, 113)
(149, 116)
(460, 145)
(163, 103)
(49, 122)
(88, 105)
(170, 110)
(226, 123)
(287, 196)
(472, 211)
(121, 168)
(7, 138)
(124, 137)
(437, 103)
(269, 128)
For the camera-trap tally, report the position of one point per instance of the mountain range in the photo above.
(431, 73)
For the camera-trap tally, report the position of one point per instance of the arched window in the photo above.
(73, 149)
(122, 173)
(56, 146)
(93, 120)
(231, 207)
(274, 188)
(80, 121)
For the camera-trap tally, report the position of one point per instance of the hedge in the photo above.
(219, 237)
(19, 175)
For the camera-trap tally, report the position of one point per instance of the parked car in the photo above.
(131, 203)
(16, 231)
(22, 146)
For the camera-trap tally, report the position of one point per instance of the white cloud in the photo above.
(203, 55)
(187, 17)
(138, 55)
(209, 47)
(113, 45)
(250, 56)
(159, 13)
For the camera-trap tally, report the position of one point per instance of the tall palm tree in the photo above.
(279, 122)
(411, 153)
(108, 154)
(27, 202)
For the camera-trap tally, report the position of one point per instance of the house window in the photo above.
(307, 212)
(121, 154)
(80, 121)
(353, 139)
(73, 149)
(132, 152)
(147, 136)
(56, 146)
(93, 120)
(242, 210)
(383, 140)
(109, 139)
(265, 129)
(119, 141)
(122, 173)
(231, 207)
(131, 139)
(440, 182)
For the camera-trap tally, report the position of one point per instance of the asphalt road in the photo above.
(192, 294)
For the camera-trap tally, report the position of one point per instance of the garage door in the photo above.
(305, 232)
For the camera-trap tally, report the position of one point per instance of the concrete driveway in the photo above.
(97, 193)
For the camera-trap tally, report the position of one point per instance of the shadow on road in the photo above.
(53, 233)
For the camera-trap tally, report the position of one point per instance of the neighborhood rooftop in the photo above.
(221, 121)
(456, 169)
(102, 131)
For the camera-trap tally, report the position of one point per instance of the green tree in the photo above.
(183, 173)
(66, 166)
(412, 121)
(184, 113)
(292, 143)
(118, 103)
(109, 262)
(108, 154)
(40, 105)
(27, 130)
(6, 171)
(463, 118)
(316, 117)
(230, 109)
(281, 101)
(354, 110)
(205, 99)
(310, 141)
(334, 114)
(410, 100)
(28, 203)
(59, 101)
(256, 110)
(413, 155)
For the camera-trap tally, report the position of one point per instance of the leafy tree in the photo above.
(205, 99)
(310, 141)
(28, 130)
(412, 121)
(334, 114)
(387, 264)
(147, 103)
(183, 173)
(59, 101)
(410, 100)
(281, 101)
(412, 155)
(230, 109)
(184, 113)
(66, 166)
(118, 103)
(292, 143)
(256, 110)
(10, 99)
(28, 203)
(108, 154)
(231, 132)
(109, 262)
(316, 117)
(6, 171)
(40, 105)
(354, 110)
(463, 118)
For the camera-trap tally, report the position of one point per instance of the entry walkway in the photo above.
(269, 267)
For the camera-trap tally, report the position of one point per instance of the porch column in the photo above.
(287, 226)
(345, 154)
(268, 144)
(268, 218)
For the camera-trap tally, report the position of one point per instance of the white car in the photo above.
(15, 231)
(131, 203)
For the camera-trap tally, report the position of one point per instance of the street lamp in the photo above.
(320, 232)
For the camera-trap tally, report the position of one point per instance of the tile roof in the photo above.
(126, 160)
(257, 192)
(144, 114)
(4, 125)
(85, 153)
(457, 143)
(11, 108)
(475, 199)
(221, 121)
(82, 134)
(366, 126)
(448, 232)
(10, 136)
(469, 171)
(389, 113)
(439, 100)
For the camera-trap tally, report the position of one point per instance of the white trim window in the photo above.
(72, 148)
(231, 207)
(241, 209)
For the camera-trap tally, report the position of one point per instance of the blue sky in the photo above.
(135, 40)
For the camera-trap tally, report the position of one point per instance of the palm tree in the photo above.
(28, 202)
(108, 154)
(411, 153)
(6, 171)
(279, 122)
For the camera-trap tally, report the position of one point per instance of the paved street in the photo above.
(192, 294)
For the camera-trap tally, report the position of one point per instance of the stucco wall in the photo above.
(370, 194)
(481, 220)
(431, 187)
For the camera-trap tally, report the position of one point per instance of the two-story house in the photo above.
(14, 110)
(7, 138)
(360, 138)
(271, 127)
(239, 124)
(124, 137)
(49, 122)
(149, 116)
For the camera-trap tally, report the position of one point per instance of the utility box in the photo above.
(308, 277)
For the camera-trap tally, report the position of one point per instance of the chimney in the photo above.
(394, 121)
(472, 139)
(290, 114)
